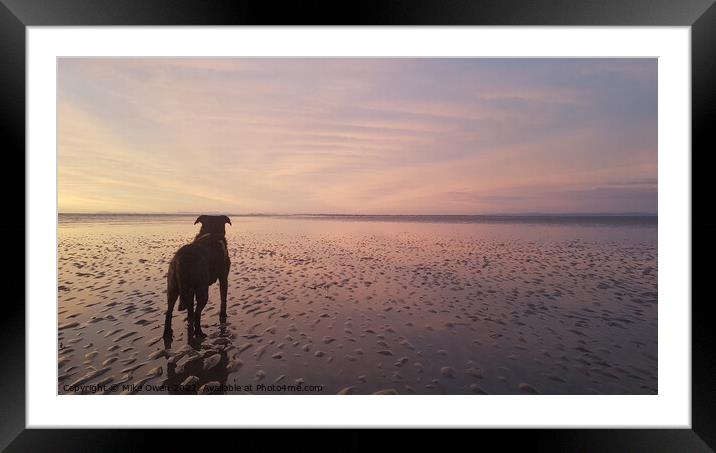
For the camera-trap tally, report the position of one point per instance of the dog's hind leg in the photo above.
(172, 295)
(186, 299)
(202, 297)
(223, 289)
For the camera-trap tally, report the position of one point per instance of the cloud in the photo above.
(356, 135)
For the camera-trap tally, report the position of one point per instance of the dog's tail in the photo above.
(174, 287)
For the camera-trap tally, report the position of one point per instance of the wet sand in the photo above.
(328, 306)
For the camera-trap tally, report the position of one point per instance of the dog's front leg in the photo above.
(190, 319)
(202, 297)
(223, 289)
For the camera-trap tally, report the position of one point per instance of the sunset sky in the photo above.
(357, 136)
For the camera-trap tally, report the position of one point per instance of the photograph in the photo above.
(357, 226)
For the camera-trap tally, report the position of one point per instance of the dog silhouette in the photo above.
(194, 268)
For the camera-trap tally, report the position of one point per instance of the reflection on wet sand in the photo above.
(203, 372)
(365, 307)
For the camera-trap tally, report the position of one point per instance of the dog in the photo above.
(194, 268)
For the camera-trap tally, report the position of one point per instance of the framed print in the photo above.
(487, 225)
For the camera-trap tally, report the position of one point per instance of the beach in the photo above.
(365, 305)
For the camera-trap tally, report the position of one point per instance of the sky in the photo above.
(357, 136)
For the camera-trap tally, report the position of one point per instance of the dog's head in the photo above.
(214, 224)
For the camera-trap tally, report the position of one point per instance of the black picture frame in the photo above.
(700, 15)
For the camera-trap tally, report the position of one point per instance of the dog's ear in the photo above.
(227, 220)
(200, 219)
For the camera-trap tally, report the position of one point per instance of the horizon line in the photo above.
(258, 214)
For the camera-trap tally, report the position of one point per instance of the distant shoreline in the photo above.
(185, 214)
(626, 220)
